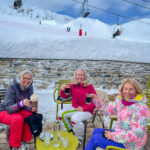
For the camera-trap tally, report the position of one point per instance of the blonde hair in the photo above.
(85, 81)
(135, 83)
(21, 75)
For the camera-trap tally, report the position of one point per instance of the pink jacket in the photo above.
(131, 128)
(79, 94)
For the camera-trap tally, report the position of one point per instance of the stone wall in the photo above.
(102, 73)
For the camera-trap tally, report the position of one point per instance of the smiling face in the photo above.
(129, 91)
(26, 80)
(80, 76)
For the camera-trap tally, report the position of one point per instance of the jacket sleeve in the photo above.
(100, 106)
(136, 128)
(27, 108)
(91, 106)
(30, 93)
(112, 108)
(10, 100)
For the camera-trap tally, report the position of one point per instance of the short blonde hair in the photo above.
(135, 83)
(74, 81)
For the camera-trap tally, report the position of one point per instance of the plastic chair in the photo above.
(114, 148)
(147, 92)
(56, 95)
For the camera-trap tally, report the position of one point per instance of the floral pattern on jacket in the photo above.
(131, 128)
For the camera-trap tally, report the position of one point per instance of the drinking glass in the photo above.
(65, 141)
(47, 138)
(88, 99)
(67, 90)
(56, 141)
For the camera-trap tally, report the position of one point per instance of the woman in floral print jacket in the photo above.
(131, 128)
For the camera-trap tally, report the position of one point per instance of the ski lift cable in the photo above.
(145, 1)
(23, 2)
(110, 12)
(117, 19)
(84, 2)
(136, 4)
(84, 9)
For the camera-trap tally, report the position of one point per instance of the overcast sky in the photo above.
(72, 8)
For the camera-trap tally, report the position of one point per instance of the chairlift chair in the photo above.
(86, 14)
(117, 27)
(17, 4)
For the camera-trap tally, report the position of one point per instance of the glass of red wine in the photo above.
(67, 90)
(88, 99)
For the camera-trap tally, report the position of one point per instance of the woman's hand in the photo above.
(63, 87)
(34, 109)
(79, 108)
(107, 134)
(93, 96)
(27, 102)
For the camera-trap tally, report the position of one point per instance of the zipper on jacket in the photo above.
(78, 94)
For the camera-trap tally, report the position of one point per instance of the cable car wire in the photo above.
(110, 12)
(146, 1)
(136, 4)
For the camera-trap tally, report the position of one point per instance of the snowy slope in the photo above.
(22, 36)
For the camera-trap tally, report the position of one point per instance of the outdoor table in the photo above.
(72, 145)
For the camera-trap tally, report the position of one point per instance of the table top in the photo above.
(72, 145)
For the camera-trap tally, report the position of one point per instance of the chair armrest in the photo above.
(54, 95)
(113, 117)
(114, 148)
(65, 100)
(94, 115)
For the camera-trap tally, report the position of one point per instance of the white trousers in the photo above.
(77, 118)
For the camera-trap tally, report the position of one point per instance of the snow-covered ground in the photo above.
(22, 36)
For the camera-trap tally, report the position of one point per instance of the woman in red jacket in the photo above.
(80, 109)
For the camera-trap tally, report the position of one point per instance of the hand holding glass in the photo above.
(67, 90)
(88, 98)
(34, 101)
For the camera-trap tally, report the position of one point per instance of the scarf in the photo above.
(128, 102)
